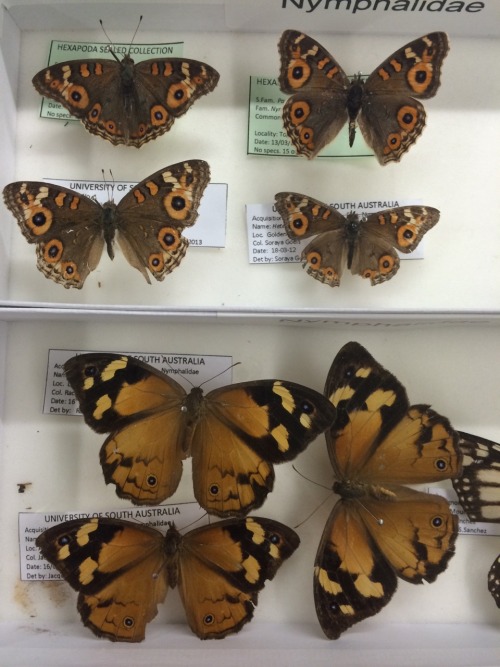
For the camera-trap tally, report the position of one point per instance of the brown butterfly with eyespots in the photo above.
(385, 106)
(125, 102)
(123, 570)
(367, 245)
(380, 530)
(234, 434)
(70, 230)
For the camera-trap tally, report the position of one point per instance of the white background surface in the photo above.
(454, 166)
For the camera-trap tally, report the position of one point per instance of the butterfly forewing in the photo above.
(122, 571)
(478, 487)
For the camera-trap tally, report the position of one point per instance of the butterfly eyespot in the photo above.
(209, 619)
(53, 251)
(177, 93)
(78, 96)
(314, 259)
(63, 540)
(39, 219)
(274, 538)
(408, 234)
(214, 489)
(90, 371)
(349, 372)
(420, 77)
(299, 112)
(394, 140)
(151, 481)
(95, 113)
(128, 622)
(159, 115)
(69, 270)
(299, 73)
(441, 464)
(178, 203)
(437, 522)
(307, 407)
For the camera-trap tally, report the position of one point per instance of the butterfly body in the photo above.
(367, 245)
(70, 230)
(234, 434)
(124, 102)
(323, 98)
(123, 570)
(380, 530)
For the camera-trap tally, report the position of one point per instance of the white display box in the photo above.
(453, 166)
(435, 325)
(452, 621)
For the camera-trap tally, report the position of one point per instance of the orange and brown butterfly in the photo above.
(380, 529)
(234, 434)
(478, 490)
(122, 571)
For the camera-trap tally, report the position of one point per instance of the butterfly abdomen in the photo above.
(354, 101)
(109, 219)
(351, 234)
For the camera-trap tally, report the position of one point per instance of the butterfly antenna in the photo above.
(313, 512)
(135, 33)
(196, 521)
(313, 481)
(110, 42)
(236, 363)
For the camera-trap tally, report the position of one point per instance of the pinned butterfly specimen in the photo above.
(478, 490)
(123, 570)
(380, 529)
(385, 106)
(124, 102)
(478, 487)
(70, 230)
(367, 245)
(234, 434)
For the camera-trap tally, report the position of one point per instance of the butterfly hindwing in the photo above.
(124, 102)
(235, 434)
(478, 487)
(122, 571)
(71, 230)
